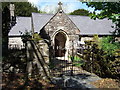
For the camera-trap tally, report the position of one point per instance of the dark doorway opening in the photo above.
(60, 40)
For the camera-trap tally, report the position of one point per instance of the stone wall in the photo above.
(15, 42)
(61, 23)
(37, 56)
(43, 47)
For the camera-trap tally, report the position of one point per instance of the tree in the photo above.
(102, 57)
(23, 8)
(110, 10)
(6, 26)
(81, 12)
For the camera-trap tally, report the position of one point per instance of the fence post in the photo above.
(29, 57)
(72, 58)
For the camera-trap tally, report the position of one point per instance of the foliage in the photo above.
(110, 10)
(25, 36)
(36, 37)
(17, 81)
(77, 61)
(92, 56)
(100, 56)
(28, 36)
(15, 62)
(112, 51)
(7, 24)
(81, 12)
(109, 59)
(23, 8)
(108, 46)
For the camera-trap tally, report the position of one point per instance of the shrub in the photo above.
(36, 37)
(102, 56)
(77, 61)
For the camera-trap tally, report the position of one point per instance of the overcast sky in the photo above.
(51, 5)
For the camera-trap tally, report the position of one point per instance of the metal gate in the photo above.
(65, 65)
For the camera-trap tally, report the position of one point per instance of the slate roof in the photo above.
(23, 24)
(39, 20)
(86, 25)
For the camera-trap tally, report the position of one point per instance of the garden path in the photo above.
(72, 76)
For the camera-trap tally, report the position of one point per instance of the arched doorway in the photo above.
(60, 41)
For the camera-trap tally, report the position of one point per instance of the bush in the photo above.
(77, 61)
(102, 57)
(36, 37)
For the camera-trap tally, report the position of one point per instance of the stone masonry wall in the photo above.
(61, 22)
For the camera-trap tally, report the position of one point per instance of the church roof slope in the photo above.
(89, 26)
(22, 24)
(40, 20)
(86, 25)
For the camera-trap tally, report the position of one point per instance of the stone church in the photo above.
(63, 32)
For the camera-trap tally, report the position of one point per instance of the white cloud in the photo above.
(59, 0)
(49, 1)
(34, 1)
(69, 7)
(51, 6)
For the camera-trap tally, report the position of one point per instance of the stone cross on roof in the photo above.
(60, 5)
